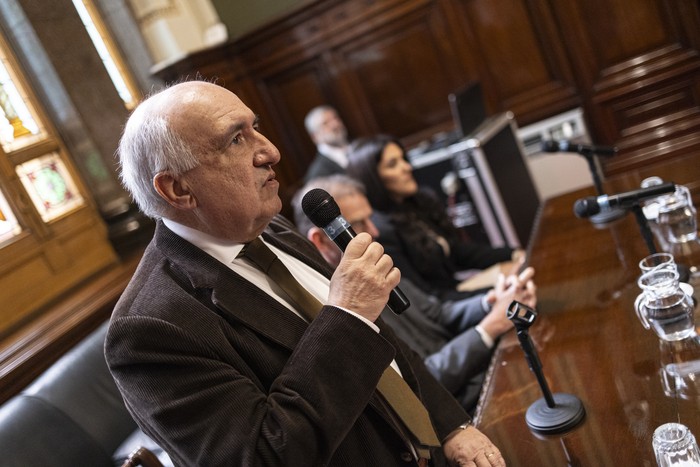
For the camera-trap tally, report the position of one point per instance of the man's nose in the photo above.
(266, 152)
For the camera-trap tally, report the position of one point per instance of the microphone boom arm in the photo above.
(597, 182)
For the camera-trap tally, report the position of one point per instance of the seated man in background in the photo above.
(329, 134)
(235, 343)
(455, 339)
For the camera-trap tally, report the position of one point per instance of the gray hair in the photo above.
(337, 185)
(148, 146)
(313, 119)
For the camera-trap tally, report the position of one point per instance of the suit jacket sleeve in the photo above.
(219, 373)
(394, 247)
(460, 359)
(469, 255)
(206, 406)
(446, 413)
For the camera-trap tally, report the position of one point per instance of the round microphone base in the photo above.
(605, 217)
(567, 412)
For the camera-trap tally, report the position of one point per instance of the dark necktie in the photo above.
(391, 386)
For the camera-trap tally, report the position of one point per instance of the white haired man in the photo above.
(328, 132)
(214, 359)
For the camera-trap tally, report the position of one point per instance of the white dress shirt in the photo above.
(334, 153)
(227, 253)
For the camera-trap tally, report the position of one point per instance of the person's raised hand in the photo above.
(364, 278)
(521, 288)
(525, 290)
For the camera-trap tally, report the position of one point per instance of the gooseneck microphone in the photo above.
(323, 211)
(568, 146)
(592, 205)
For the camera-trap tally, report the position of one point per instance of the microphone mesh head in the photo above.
(586, 207)
(320, 207)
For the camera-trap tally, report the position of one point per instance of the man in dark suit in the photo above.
(329, 134)
(212, 359)
(455, 338)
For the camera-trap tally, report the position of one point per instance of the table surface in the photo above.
(589, 340)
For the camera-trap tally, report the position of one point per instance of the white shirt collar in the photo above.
(223, 250)
(227, 251)
(334, 153)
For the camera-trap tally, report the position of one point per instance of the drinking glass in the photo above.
(675, 446)
(677, 216)
(680, 368)
(657, 261)
(663, 306)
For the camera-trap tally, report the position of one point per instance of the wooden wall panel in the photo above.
(388, 66)
(638, 63)
(525, 64)
(399, 73)
(292, 94)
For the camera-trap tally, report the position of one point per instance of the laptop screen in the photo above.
(468, 108)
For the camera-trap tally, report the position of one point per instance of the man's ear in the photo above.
(174, 190)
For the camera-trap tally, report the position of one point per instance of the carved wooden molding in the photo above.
(31, 349)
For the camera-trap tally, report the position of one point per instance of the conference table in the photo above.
(590, 341)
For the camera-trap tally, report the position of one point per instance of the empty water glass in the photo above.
(680, 368)
(675, 446)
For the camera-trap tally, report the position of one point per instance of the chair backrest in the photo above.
(72, 414)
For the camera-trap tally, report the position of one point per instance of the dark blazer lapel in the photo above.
(280, 235)
(239, 301)
(242, 302)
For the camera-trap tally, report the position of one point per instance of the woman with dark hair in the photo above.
(414, 227)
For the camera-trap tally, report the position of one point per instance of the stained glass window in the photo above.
(9, 227)
(49, 185)
(19, 126)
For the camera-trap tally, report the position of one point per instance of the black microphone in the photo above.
(323, 211)
(568, 146)
(592, 205)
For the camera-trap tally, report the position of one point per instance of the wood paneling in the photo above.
(637, 62)
(38, 270)
(397, 73)
(31, 349)
(520, 47)
(388, 66)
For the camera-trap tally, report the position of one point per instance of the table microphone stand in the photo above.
(644, 228)
(590, 158)
(553, 413)
(606, 216)
(683, 270)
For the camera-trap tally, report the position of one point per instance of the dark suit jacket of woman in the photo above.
(423, 261)
(220, 373)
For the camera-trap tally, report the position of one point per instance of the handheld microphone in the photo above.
(323, 211)
(568, 146)
(592, 205)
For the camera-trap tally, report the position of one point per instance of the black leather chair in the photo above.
(73, 415)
